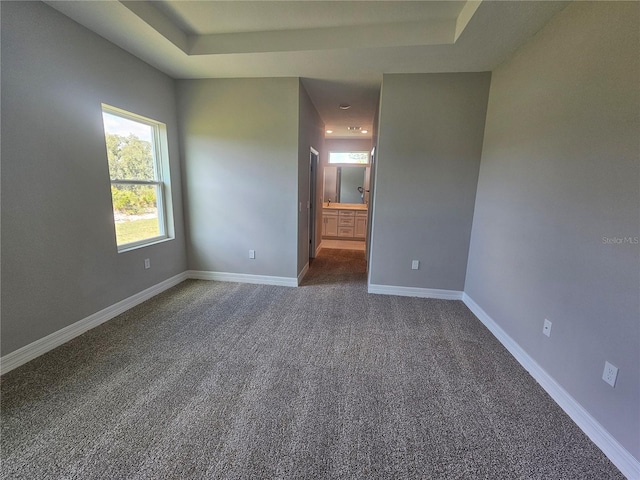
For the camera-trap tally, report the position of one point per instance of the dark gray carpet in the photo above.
(222, 380)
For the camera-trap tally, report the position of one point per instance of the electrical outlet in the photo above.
(147, 263)
(415, 264)
(252, 254)
(546, 328)
(610, 374)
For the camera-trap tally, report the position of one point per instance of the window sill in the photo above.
(154, 241)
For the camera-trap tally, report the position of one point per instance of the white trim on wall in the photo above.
(304, 271)
(39, 347)
(415, 292)
(243, 278)
(619, 456)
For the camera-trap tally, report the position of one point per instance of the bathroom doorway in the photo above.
(346, 194)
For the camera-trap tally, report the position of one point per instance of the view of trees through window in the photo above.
(349, 157)
(136, 187)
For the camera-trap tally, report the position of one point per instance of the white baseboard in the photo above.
(304, 271)
(243, 278)
(619, 456)
(415, 292)
(318, 248)
(39, 347)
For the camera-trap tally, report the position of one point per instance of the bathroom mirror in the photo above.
(346, 184)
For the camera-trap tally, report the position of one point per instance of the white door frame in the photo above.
(314, 156)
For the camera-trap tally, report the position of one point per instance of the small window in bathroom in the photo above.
(359, 158)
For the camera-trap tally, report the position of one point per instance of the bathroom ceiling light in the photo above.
(329, 131)
(364, 131)
(344, 106)
(353, 129)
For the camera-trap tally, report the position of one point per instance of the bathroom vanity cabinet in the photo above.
(330, 223)
(344, 221)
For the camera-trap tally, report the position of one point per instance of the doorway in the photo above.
(346, 195)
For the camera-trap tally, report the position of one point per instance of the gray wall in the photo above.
(240, 167)
(310, 134)
(429, 146)
(560, 171)
(59, 258)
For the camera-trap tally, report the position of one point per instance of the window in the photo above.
(138, 168)
(361, 158)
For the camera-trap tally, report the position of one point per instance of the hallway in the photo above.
(337, 266)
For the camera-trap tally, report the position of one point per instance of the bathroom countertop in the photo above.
(344, 206)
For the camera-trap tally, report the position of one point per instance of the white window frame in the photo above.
(329, 162)
(160, 153)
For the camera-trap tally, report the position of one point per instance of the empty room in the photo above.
(320, 239)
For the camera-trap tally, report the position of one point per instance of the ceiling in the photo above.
(340, 49)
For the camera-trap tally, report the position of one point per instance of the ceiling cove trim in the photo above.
(398, 34)
(160, 23)
(465, 16)
(436, 32)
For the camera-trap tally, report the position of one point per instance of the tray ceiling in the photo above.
(340, 49)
